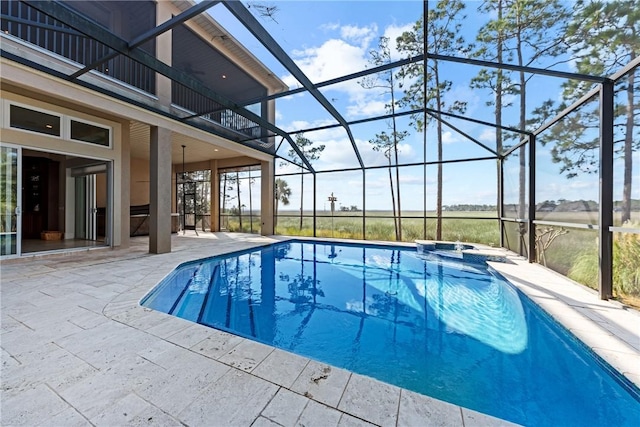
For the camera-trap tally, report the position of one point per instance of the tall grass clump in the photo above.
(626, 265)
(626, 262)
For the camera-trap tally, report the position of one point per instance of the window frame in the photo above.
(39, 110)
(109, 130)
(65, 124)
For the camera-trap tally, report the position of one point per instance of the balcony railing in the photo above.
(26, 23)
(32, 26)
(215, 112)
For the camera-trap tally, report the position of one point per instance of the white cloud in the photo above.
(330, 26)
(361, 35)
(332, 59)
(509, 100)
(343, 55)
(449, 137)
(461, 92)
(488, 136)
(339, 153)
(393, 32)
(286, 167)
(366, 108)
(290, 81)
(316, 136)
(406, 153)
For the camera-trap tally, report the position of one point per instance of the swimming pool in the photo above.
(450, 330)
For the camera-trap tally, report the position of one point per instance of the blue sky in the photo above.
(329, 39)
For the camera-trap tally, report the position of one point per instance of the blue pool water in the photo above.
(453, 331)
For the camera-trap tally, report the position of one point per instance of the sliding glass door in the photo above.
(10, 177)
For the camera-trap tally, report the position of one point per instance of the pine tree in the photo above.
(533, 34)
(282, 194)
(443, 37)
(491, 40)
(305, 145)
(527, 33)
(606, 37)
(383, 141)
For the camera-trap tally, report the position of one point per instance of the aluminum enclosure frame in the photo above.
(605, 91)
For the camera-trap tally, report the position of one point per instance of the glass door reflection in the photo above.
(9, 201)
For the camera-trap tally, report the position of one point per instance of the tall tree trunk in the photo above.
(393, 197)
(301, 195)
(498, 105)
(239, 202)
(395, 151)
(628, 148)
(522, 151)
(436, 77)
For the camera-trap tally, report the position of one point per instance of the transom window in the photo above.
(85, 132)
(59, 125)
(34, 121)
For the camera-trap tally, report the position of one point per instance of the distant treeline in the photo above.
(469, 208)
(561, 205)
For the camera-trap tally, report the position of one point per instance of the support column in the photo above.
(500, 199)
(364, 205)
(266, 197)
(160, 191)
(532, 199)
(315, 210)
(163, 53)
(605, 237)
(125, 187)
(266, 109)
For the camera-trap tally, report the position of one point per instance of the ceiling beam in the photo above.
(363, 73)
(514, 67)
(461, 132)
(409, 112)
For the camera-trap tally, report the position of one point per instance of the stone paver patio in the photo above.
(78, 350)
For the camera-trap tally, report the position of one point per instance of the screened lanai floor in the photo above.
(77, 349)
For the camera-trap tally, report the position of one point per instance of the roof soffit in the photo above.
(232, 48)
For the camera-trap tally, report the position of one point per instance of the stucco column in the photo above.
(164, 13)
(160, 191)
(266, 197)
(125, 186)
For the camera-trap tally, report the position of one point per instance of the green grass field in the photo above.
(379, 225)
(573, 254)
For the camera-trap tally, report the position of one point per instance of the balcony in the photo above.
(29, 25)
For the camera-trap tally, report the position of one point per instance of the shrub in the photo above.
(626, 265)
(585, 269)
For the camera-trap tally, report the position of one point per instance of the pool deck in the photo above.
(78, 350)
